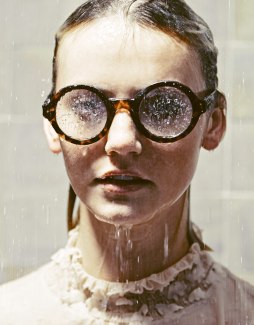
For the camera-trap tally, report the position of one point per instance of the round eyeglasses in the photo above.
(163, 112)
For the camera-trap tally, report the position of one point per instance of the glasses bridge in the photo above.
(122, 104)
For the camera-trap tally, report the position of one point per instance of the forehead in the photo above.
(111, 53)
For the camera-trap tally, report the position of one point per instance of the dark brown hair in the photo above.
(173, 17)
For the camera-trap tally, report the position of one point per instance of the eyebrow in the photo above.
(110, 92)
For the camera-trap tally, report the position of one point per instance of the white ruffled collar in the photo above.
(178, 286)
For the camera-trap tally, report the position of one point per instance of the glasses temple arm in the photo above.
(209, 100)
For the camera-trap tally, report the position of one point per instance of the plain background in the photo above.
(33, 184)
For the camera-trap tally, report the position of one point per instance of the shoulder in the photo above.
(28, 300)
(231, 282)
(234, 296)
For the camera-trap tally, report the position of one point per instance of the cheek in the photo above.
(180, 164)
(176, 162)
(78, 161)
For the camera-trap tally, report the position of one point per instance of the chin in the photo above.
(120, 215)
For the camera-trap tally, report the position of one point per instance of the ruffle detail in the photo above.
(74, 285)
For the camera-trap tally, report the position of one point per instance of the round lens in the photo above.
(165, 112)
(81, 114)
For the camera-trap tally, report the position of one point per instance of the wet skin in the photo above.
(121, 59)
(121, 64)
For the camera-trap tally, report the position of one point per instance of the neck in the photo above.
(129, 253)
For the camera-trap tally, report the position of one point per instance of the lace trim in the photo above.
(177, 286)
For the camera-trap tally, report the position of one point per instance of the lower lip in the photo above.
(123, 187)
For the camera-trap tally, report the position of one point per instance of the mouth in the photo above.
(122, 182)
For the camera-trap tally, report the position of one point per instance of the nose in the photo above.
(122, 136)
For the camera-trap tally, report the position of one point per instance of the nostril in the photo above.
(123, 150)
(123, 137)
(122, 145)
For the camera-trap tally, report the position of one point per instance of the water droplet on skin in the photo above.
(129, 245)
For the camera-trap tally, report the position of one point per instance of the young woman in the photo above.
(134, 99)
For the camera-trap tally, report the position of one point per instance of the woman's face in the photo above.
(126, 178)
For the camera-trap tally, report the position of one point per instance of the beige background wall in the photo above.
(33, 185)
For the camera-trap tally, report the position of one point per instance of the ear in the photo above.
(52, 137)
(216, 125)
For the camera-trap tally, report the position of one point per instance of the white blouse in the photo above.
(196, 290)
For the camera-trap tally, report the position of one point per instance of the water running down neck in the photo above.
(123, 251)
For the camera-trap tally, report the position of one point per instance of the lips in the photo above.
(122, 182)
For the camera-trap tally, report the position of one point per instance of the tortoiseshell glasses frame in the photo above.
(114, 105)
